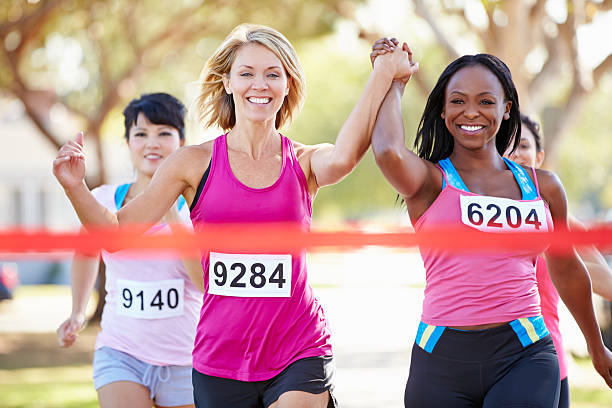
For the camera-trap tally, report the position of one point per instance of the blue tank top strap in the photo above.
(181, 202)
(525, 183)
(451, 175)
(120, 194)
(122, 190)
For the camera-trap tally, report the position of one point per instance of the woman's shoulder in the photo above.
(552, 192)
(105, 194)
(105, 189)
(548, 181)
(186, 156)
(303, 150)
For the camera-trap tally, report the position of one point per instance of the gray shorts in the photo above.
(169, 386)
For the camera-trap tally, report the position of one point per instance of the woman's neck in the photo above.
(481, 159)
(140, 184)
(254, 138)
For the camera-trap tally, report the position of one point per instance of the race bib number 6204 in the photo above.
(249, 275)
(494, 214)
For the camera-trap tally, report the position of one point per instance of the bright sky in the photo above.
(392, 17)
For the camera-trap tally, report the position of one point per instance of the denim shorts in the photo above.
(168, 385)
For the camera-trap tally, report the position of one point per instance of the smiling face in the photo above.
(474, 107)
(150, 144)
(258, 84)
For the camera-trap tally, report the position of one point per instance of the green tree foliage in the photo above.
(87, 58)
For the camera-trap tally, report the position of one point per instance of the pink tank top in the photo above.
(550, 302)
(465, 289)
(259, 313)
(152, 306)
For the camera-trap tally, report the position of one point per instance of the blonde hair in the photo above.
(216, 107)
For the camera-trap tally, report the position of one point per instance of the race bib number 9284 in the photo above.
(249, 275)
(495, 214)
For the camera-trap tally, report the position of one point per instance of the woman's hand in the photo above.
(68, 332)
(602, 362)
(69, 164)
(404, 65)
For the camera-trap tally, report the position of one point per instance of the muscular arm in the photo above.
(571, 279)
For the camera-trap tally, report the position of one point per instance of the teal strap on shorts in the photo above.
(529, 329)
(427, 336)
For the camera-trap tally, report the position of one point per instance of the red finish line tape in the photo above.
(288, 238)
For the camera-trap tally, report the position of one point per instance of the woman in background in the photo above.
(143, 351)
(530, 153)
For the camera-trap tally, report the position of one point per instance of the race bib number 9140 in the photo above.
(249, 275)
(150, 299)
(495, 214)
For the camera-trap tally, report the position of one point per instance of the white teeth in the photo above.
(471, 128)
(259, 100)
(153, 156)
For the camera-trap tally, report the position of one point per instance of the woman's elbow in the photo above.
(386, 154)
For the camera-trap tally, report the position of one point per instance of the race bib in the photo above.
(150, 299)
(495, 214)
(249, 275)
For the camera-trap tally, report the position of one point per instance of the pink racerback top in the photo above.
(472, 288)
(254, 332)
(550, 303)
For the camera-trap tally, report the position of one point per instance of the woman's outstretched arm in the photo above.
(147, 208)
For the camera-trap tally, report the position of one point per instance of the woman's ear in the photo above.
(226, 84)
(539, 159)
(507, 111)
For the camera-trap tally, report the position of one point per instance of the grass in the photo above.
(48, 387)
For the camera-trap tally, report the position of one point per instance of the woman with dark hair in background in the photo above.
(482, 341)
(530, 153)
(143, 351)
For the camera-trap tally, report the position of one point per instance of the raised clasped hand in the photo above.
(400, 58)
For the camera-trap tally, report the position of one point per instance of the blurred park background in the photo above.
(70, 65)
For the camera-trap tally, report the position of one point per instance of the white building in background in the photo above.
(30, 197)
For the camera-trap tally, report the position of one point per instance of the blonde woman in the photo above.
(262, 339)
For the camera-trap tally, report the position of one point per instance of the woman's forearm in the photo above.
(574, 286)
(88, 209)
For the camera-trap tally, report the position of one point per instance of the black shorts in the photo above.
(489, 368)
(564, 397)
(312, 374)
